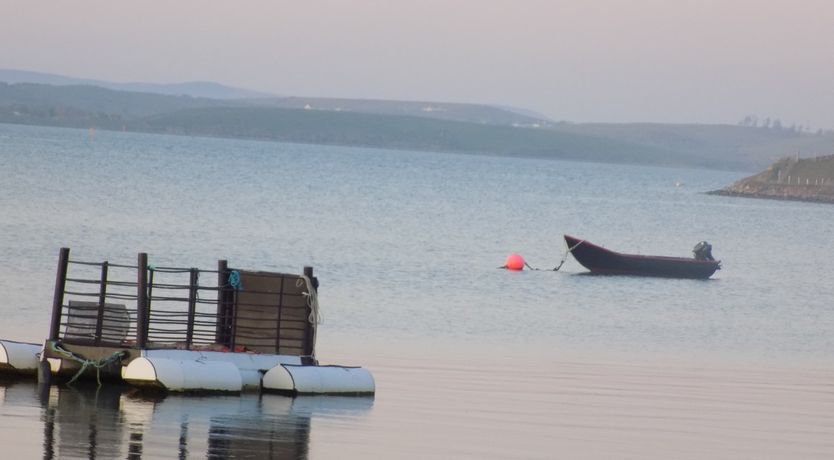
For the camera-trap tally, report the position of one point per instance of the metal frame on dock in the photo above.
(163, 328)
(100, 308)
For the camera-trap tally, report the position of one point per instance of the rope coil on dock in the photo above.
(97, 364)
(313, 302)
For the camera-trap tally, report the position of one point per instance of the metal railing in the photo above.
(143, 306)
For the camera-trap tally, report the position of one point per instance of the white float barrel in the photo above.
(19, 356)
(183, 375)
(334, 380)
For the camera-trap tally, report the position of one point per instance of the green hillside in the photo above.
(465, 128)
(34, 97)
(806, 179)
(403, 132)
(472, 113)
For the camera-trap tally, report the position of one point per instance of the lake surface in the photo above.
(470, 361)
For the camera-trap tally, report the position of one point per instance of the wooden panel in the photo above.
(271, 313)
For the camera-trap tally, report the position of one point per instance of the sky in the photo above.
(669, 61)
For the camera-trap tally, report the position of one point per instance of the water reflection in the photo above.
(112, 421)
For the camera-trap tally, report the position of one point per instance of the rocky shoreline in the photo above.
(793, 179)
(778, 193)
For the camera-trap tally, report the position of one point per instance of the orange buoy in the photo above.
(514, 262)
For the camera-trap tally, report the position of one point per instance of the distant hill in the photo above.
(193, 88)
(93, 99)
(88, 106)
(807, 179)
(475, 113)
(403, 132)
(448, 127)
(748, 148)
(472, 113)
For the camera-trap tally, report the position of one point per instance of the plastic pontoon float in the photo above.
(163, 328)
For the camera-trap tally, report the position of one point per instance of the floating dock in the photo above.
(167, 329)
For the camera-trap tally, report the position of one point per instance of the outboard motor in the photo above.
(703, 251)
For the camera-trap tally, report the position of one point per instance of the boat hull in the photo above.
(606, 262)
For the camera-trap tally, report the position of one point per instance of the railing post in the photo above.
(280, 311)
(192, 307)
(142, 300)
(309, 329)
(308, 272)
(58, 296)
(102, 299)
(222, 332)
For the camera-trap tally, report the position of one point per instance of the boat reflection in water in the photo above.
(116, 422)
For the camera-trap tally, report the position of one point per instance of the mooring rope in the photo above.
(85, 363)
(568, 250)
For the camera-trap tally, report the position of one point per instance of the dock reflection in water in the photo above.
(116, 422)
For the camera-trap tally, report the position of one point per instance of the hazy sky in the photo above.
(631, 60)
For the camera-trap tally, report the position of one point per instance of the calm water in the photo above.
(470, 361)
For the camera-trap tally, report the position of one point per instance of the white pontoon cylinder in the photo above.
(332, 380)
(20, 357)
(183, 375)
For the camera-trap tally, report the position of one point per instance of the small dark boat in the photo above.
(606, 262)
